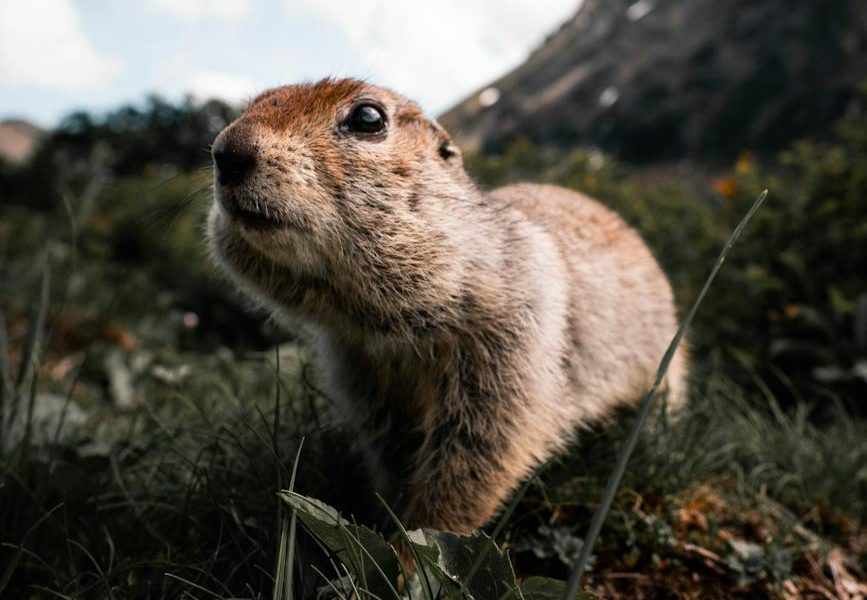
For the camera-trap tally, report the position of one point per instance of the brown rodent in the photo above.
(464, 335)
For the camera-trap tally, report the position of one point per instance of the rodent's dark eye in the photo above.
(365, 119)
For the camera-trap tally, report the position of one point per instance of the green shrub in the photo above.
(799, 280)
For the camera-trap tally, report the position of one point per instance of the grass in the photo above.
(183, 501)
(189, 491)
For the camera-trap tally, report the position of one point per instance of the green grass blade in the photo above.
(284, 578)
(99, 571)
(572, 588)
(50, 592)
(6, 576)
(366, 554)
(30, 355)
(276, 430)
(290, 557)
(328, 581)
(192, 585)
(280, 576)
(426, 588)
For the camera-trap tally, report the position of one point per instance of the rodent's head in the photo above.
(334, 180)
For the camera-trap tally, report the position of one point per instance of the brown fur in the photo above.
(464, 335)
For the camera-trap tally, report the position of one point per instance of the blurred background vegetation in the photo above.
(156, 415)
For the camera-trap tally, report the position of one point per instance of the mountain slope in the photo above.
(662, 79)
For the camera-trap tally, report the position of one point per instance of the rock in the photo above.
(18, 141)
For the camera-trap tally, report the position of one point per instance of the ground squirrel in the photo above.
(463, 334)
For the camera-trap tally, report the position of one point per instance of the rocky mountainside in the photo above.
(656, 80)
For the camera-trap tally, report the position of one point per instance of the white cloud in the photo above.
(224, 10)
(205, 85)
(42, 44)
(435, 51)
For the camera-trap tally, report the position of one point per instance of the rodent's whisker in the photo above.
(172, 210)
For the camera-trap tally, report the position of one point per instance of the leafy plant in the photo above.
(450, 565)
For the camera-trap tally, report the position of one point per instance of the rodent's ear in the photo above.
(446, 149)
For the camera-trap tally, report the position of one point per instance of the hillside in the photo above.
(666, 79)
(18, 140)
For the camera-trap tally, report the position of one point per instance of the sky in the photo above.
(61, 55)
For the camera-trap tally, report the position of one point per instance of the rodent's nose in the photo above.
(233, 163)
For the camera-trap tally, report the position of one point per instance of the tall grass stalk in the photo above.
(427, 589)
(30, 356)
(14, 392)
(574, 583)
(9, 569)
(284, 579)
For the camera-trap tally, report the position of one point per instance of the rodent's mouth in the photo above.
(254, 220)
(251, 219)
